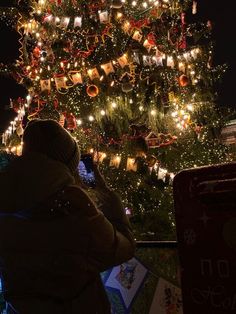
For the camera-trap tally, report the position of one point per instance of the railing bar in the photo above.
(157, 244)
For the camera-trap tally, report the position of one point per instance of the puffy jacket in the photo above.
(54, 242)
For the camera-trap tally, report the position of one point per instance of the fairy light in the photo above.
(190, 107)
(119, 15)
(91, 118)
(134, 3)
(114, 105)
(79, 121)
(153, 112)
(174, 114)
(103, 112)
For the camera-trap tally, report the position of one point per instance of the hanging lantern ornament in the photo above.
(92, 90)
(127, 87)
(19, 130)
(71, 122)
(151, 160)
(116, 4)
(183, 80)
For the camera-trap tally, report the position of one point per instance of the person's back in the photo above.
(54, 242)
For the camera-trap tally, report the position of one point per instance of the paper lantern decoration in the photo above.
(108, 68)
(183, 80)
(60, 81)
(99, 156)
(76, 77)
(62, 119)
(19, 130)
(137, 36)
(123, 61)
(104, 17)
(93, 74)
(170, 62)
(92, 90)
(71, 122)
(151, 160)
(115, 161)
(65, 22)
(78, 21)
(116, 4)
(127, 87)
(131, 164)
(45, 85)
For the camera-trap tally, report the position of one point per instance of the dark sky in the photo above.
(223, 16)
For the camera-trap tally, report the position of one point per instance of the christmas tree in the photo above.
(134, 81)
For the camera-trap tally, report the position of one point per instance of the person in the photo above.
(54, 240)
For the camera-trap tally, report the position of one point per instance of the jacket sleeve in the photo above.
(109, 231)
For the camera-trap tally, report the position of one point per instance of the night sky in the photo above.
(223, 17)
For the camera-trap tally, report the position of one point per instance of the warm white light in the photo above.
(119, 15)
(140, 108)
(174, 114)
(114, 105)
(144, 4)
(153, 112)
(134, 3)
(190, 107)
(91, 118)
(79, 122)
(103, 112)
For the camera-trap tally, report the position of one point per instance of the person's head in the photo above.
(48, 137)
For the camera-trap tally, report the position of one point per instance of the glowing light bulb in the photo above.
(103, 112)
(91, 118)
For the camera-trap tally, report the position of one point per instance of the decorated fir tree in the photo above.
(134, 82)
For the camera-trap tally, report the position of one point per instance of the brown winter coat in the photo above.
(54, 242)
